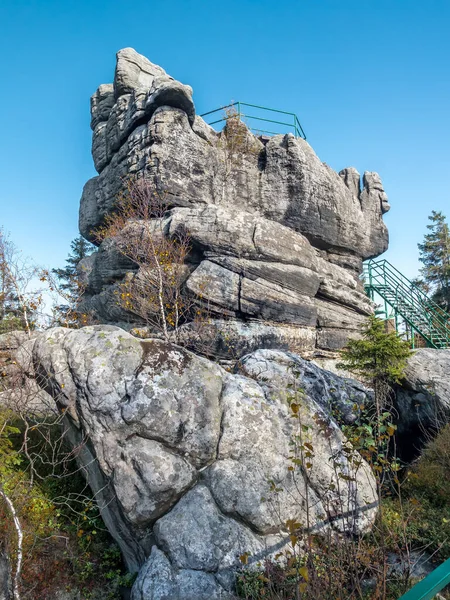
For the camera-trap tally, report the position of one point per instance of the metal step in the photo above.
(409, 302)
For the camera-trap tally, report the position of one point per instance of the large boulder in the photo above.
(278, 236)
(422, 402)
(192, 465)
(19, 391)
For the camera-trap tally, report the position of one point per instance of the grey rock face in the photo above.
(275, 230)
(423, 400)
(18, 388)
(182, 455)
(5, 576)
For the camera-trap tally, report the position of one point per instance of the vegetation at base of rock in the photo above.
(425, 499)
(412, 515)
(415, 521)
(65, 544)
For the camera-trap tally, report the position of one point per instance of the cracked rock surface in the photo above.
(279, 237)
(191, 464)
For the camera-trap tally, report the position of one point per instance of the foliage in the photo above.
(68, 284)
(426, 498)
(435, 256)
(68, 276)
(237, 143)
(379, 357)
(138, 230)
(333, 566)
(65, 544)
(18, 303)
(414, 520)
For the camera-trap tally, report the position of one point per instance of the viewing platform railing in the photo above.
(260, 114)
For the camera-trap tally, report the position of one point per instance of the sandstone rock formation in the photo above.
(191, 465)
(277, 234)
(19, 391)
(422, 402)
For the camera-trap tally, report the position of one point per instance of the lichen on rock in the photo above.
(191, 465)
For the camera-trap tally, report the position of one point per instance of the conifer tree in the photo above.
(379, 357)
(67, 276)
(68, 285)
(435, 256)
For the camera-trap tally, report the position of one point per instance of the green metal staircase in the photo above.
(405, 302)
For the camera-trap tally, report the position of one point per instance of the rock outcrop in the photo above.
(19, 391)
(422, 402)
(278, 236)
(193, 466)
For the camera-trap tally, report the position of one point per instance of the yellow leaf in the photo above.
(304, 573)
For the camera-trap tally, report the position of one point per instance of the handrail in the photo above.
(409, 302)
(295, 125)
(431, 585)
(399, 279)
(412, 286)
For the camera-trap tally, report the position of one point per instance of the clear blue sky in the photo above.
(369, 80)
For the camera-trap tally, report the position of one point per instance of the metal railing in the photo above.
(431, 585)
(408, 301)
(293, 124)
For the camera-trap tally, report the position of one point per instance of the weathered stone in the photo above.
(155, 580)
(150, 478)
(353, 298)
(284, 227)
(89, 217)
(232, 338)
(291, 277)
(179, 453)
(101, 104)
(329, 338)
(134, 71)
(13, 340)
(422, 402)
(19, 390)
(236, 232)
(332, 314)
(196, 535)
(271, 302)
(216, 284)
(335, 394)
(5, 576)
(158, 580)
